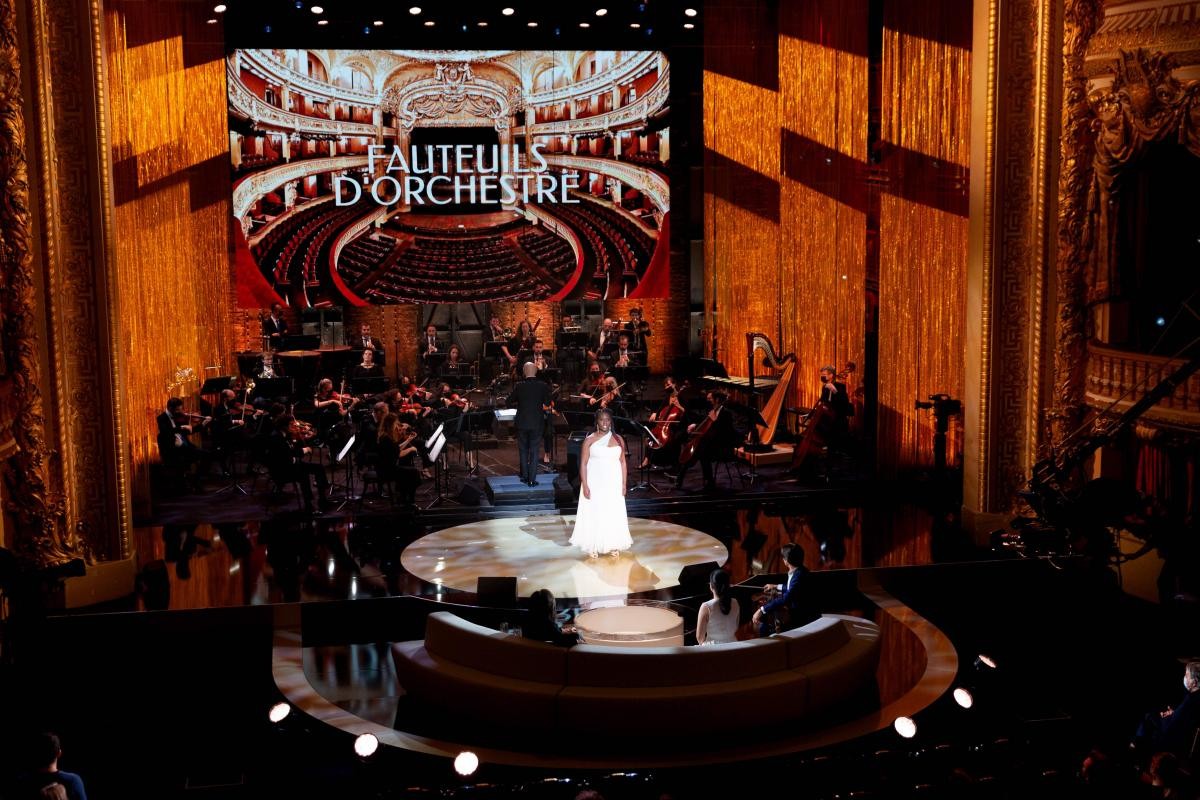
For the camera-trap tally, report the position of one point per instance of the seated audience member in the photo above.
(43, 771)
(1174, 729)
(793, 607)
(542, 623)
(717, 621)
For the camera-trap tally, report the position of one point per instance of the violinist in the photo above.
(332, 407)
(638, 330)
(395, 455)
(368, 368)
(228, 427)
(611, 394)
(176, 450)
(712, 439)
(593, 383)
(285, 452)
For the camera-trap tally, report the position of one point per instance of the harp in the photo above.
(765, 434)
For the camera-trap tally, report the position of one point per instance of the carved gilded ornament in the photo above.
(36, 508)
(1144, 105)
(453, 89)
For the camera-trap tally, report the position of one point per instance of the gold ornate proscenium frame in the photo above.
(60, 429)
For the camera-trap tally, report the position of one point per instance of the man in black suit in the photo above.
(275, 326)
(834, 395)
(429, 349)
(715, 445)
(532, 399)
(794, 596)
(285, 461)
(364, 340)
(174, 447)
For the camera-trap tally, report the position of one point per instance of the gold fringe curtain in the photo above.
(785, 207)
(823, 113)
(741, 177)
(923, 226)
(174, 281)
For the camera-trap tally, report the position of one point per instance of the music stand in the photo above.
(756, 419)
(369, 386)
(434, 362)
(429, 442)
(629, 427)
(437, 455)
(217, 384)
(274, 387)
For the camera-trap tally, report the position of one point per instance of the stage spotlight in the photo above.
(279, 712)
(299, 3)
(266, 28)
(414, 10)
(482, 23)
(508, 11)
(219, 8)
(1160, 322)
(212, 21)
(366, 745)
(905, 727)
(531, 24)
(687, 26)
(429, 23)
(585, 24)
(963, 697)
(322, 22)
(600, 12)
(465, 763)
(317, 10)
(634, 25)
(984, 662)
(691, 12)
(366, 28)
(464, 28)
(377, 23)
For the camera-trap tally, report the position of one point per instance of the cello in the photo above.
(817, 428)
(670, 414)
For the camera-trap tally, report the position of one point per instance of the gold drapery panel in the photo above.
(823, 235)
(741, 178)
(171, 181)
(923, 223)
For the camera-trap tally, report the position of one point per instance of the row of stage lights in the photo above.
(508, 11)
(467, 762)
(906, 727)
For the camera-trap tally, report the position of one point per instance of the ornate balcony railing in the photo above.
(1113, 374)
(620, 73)
(636, 113)
(262, 62)
(246, 105)
(255, 185)
(645, 180)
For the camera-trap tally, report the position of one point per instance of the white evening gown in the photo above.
(601, 525)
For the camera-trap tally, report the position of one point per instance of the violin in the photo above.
(303, 432)
(185, 418)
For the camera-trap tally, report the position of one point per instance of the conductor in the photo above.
(532, 399)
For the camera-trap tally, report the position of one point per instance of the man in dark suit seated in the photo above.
(174, 447)
(1174, 729)
(285, 461)
(793, 606)
(835, 396)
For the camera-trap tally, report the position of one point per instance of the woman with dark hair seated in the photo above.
(542, 623)
(394, 460)
(717, 621)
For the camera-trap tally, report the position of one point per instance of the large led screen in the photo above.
(400, 176)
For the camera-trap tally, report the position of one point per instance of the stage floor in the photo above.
(537, 551)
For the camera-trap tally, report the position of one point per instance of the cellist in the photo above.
(711, 439)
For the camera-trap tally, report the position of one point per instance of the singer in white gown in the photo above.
(601, 525)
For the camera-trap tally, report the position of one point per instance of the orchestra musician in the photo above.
(368, 368)
(275, 326)
(714, 439)
(499, 333)
(609, 394)
(593, 382)
(228, 427)
(395, 453)
(638, 330)
(668, 426)
(455, 365)
(429, 348)
(604, 343)
(541, 359)
(331, 406)
(522, 342)
(285, 452)
(364, 340)
(835, 396)
(176, 450)
(624, 355)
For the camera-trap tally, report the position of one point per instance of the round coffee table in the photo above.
(638, 624)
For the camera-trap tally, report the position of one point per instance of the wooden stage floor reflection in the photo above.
(536, 549)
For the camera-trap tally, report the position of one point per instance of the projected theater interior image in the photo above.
(391, 176)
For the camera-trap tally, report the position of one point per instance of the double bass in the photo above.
(698, 437)
(817, 428)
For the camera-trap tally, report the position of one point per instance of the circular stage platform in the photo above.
(536, 550)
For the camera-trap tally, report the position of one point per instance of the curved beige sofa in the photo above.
(482, 675)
